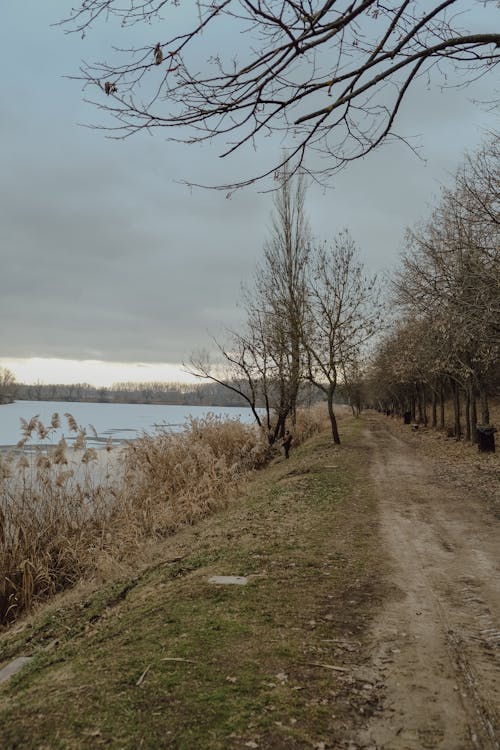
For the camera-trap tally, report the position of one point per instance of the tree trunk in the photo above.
(434, 409)
(473, 414)
(268, 411)
(413, 408)
(456, 410)
(485, 409)
(333, 420)
(256, 415)
(398, 407)
(441, 407)
(279, 430)
(424, 405)
(419, 405)
(295, 378)
(467, 416)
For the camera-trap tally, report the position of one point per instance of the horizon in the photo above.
(96, 373)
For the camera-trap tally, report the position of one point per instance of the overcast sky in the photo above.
(105, 256)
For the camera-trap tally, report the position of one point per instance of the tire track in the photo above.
(435, 645)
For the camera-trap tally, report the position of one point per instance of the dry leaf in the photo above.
(158, 55)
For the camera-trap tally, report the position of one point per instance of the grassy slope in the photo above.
(247, 673)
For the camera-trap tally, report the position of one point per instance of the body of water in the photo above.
(116, 421)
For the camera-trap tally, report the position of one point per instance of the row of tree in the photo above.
(308, 316)
(445, 342)
(192, 394)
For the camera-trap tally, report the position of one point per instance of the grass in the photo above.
(163, 659)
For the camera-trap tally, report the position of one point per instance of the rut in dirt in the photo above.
(436, 643)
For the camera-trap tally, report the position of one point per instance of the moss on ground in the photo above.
(168, 660)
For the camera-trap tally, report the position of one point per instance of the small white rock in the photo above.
(229, 580)
(13, 667)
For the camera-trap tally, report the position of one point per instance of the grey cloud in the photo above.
(104, 260)
(103, 254)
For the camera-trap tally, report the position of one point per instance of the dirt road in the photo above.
(436, 644)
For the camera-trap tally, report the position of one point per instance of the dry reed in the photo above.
(66, 513)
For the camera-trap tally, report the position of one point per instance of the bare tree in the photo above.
(448, 291)
(328, 77)
(342, 316)
(264, 362)
(450, 276)
(7, 385)
(386, 382)
(279, 294)
(237, 370)
(353, 389)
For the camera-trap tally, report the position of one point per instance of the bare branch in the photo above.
(326, 77)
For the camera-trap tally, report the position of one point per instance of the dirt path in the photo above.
(436, 644)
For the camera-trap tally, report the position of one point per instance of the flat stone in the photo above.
(13, 667)
(229, 580)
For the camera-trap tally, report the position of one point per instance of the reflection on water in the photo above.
(104, 422)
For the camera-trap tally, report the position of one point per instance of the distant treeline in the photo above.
(192, 394)
(132, 393)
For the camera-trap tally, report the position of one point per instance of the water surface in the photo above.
(116, 421)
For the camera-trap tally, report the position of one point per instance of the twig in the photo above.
(329, 666)
(176, 658)
(143, 675)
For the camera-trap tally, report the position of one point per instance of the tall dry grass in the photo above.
(68, 513)
(53, 507)
(312, 420)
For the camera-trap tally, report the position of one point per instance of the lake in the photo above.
(116, 421)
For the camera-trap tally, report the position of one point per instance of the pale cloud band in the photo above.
(94, 372)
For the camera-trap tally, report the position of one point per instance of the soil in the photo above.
(435, 644)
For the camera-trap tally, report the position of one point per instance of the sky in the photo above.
(113, 270)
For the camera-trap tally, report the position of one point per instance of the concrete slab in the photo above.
(13, 667)
(228, 580)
